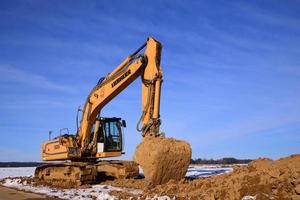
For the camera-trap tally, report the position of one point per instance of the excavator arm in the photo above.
(147, 66)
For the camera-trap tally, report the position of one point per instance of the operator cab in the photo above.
(109, 134)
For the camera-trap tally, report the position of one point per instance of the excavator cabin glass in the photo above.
(110, 135)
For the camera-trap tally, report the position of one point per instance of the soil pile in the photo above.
(163, 159)
(262, 179)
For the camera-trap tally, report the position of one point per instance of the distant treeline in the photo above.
(223, 161)
(20, 164)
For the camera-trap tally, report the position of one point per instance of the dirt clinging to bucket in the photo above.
(163, 159)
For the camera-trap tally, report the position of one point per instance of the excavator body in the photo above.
(108, 134)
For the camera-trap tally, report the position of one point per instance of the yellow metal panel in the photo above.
(108, 154)
(53, 150)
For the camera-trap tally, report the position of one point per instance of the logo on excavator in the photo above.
(120, 78)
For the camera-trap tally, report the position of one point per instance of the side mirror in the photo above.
(123, 123)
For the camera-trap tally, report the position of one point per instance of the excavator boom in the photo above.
(147, 66)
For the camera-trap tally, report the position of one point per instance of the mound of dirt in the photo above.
(262, 179)
(162, 159)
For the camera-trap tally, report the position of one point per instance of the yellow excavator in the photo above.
(100, 137)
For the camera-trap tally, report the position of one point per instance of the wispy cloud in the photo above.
(13, 75)
(268, 16)
(259, 124)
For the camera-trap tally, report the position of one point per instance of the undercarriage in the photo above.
(79, 173)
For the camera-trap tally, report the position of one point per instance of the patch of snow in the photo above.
(141, 172)
(198, 171)
(249, 198)
(16, 171)
(160, 198)
(100, 192)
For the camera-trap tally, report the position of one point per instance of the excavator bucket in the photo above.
(162, 159)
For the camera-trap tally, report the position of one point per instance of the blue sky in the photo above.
(231, 72)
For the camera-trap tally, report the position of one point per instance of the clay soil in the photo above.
(263, 179)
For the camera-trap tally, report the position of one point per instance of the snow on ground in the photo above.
(249, 198)
(100, 192)
(16, 171)
(198, 171)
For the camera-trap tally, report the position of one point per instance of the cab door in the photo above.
(110, 137)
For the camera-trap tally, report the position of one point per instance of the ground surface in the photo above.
(98, 191)
(12, 194)
(262, 179)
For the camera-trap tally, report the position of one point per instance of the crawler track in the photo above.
(79, 173)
